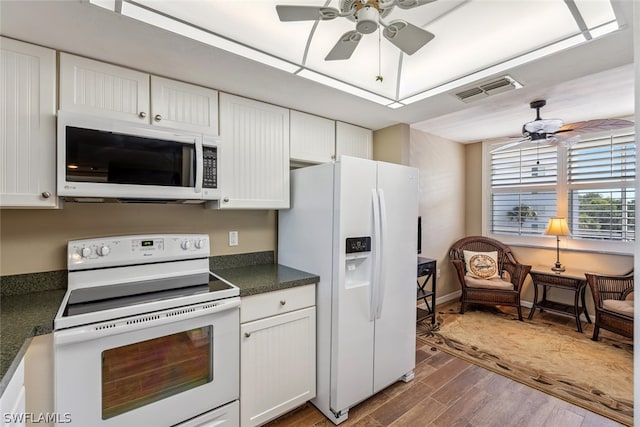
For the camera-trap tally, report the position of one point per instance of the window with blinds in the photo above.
(523, 189)
(601, 177)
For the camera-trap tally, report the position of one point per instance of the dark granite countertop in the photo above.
(22, 317)
(26, 312)
(257, 279)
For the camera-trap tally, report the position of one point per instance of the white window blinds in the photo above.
(602, 197)
(523, 189)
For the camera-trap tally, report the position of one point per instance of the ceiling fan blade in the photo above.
(505, 147)
(305, 13)
(408, 4)
(345, 46)
(407, 37)
(567, 140)
(595, 126)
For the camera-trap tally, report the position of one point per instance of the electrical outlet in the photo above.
(233, 238)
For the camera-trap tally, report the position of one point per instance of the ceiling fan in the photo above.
(555, 132)
(368, 15)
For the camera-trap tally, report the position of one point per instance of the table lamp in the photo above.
(557, 227)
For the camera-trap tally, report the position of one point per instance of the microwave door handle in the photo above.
(199, 166)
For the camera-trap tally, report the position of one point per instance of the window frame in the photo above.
(563, 189)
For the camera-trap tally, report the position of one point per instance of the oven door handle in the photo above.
(143, 321)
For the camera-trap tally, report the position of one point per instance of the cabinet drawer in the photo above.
(277, 302)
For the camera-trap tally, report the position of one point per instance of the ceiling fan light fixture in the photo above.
(543, 126)
(367, 20)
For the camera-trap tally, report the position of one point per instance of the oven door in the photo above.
(157, 369)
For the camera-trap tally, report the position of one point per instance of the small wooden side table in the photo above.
(427, 269)
(572, 280)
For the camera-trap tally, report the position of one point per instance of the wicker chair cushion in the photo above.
(495, 283)
(624, 307)
(481, 265)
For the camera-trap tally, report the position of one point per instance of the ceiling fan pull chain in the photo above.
(379, 76)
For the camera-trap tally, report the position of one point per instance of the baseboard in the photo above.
(525, 304)
(444, 299)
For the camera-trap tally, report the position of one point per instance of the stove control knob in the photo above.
(103, 250)
(199, 244)
(186, 245)
(85, 252)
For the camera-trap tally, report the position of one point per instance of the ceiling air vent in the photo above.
(488, 88)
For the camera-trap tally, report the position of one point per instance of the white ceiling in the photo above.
(593, 80)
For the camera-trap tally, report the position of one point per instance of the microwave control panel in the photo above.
(210, 167)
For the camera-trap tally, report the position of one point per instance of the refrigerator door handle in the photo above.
(382, 237)
(375, 277)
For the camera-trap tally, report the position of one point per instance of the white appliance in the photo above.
(146, 335)
(101, 159)
(354, 223)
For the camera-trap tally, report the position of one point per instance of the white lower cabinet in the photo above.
(12, 401)
(277, 354)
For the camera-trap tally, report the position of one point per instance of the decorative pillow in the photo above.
(482, 265)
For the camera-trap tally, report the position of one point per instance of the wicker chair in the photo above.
(613, 311)
(511, 271)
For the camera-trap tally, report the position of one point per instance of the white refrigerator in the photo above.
(354, 223)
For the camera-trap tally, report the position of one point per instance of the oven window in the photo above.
(138, 374)
(113, 158)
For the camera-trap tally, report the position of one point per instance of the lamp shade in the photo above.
(557, 227)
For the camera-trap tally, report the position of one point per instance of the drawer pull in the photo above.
(142, 114)
(157, 117)
(247, 334)
(283, 302)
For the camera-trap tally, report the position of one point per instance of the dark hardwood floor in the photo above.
(450, 392)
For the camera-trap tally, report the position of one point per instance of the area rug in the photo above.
(545, 353)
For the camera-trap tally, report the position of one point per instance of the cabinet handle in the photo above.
(142, 114)
(247, 334)
(157, 117)
(283, 302)
(226, 200)
(46, 194)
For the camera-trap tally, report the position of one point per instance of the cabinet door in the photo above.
(27, 125)
(88, 86)
(277, 365)
(184, 106)
(353, 141)
(254, 160)
(12, 401)
(313, 138)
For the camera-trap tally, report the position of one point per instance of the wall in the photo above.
(473, 188)
(442, 200)
(35, 240)
(391, 144)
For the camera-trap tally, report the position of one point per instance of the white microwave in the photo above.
(100, 159)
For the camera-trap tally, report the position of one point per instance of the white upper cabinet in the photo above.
(27, 125)
(254, 158)
(88, 86)
(184, 106)
(313, 138)
(94, 87)
(353, 141)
